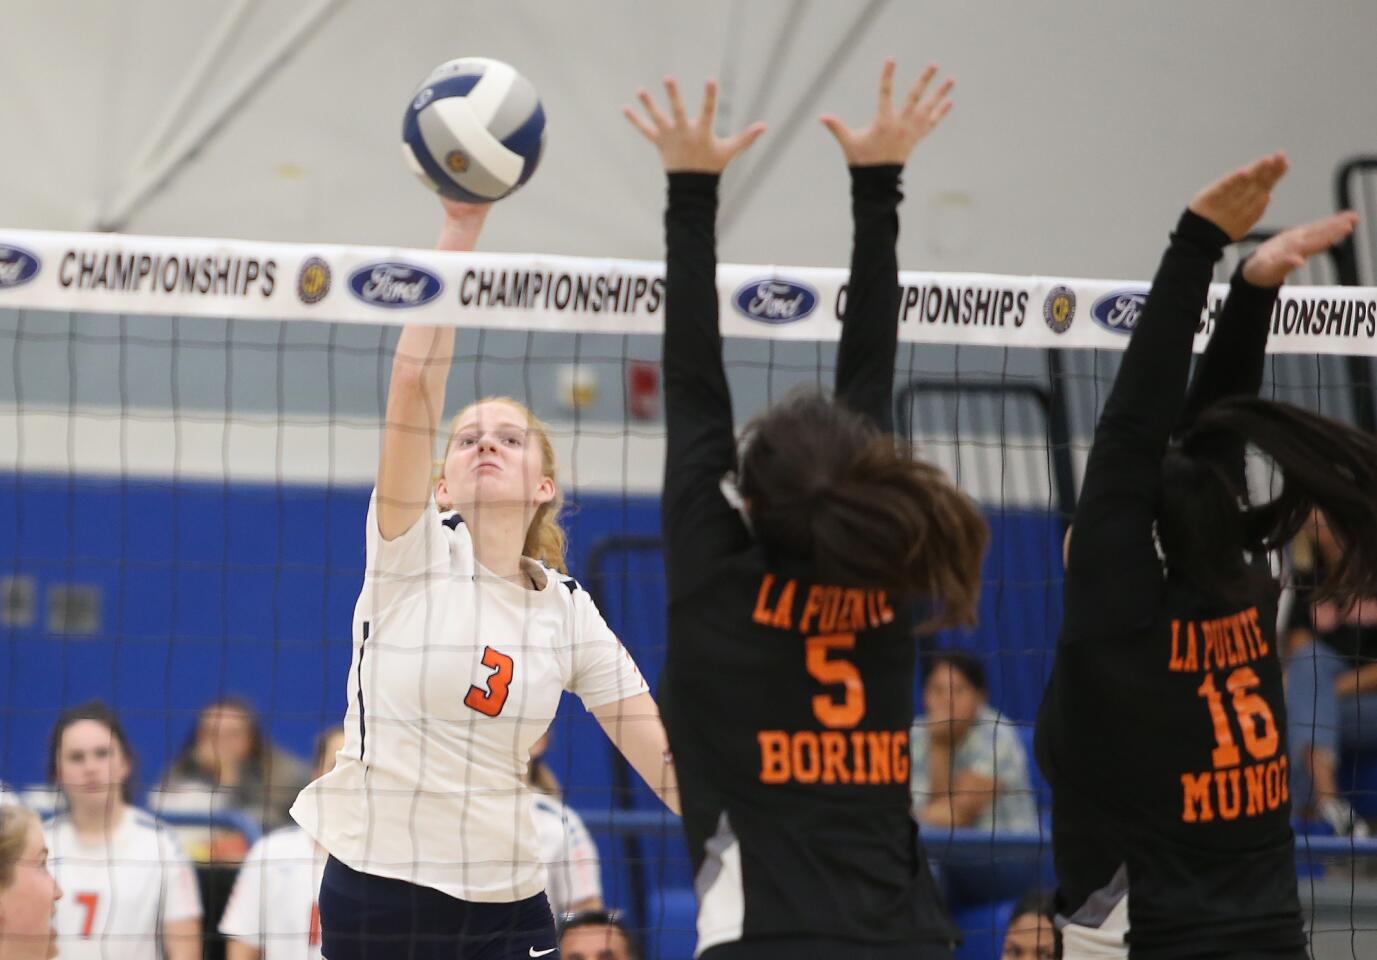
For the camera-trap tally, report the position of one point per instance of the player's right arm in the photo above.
(416, 395)
(1113, 574)
(701, 444)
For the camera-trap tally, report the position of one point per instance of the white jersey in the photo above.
(273, 906)
(569, 853)
(455, 674)
(118, 895)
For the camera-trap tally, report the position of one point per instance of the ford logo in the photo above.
(771, 300)
(393, 284)
(17, 266)
(1119, 311)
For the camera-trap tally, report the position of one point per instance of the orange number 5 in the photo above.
(831, 714)
(490, 702)
(90, 901)
(1249, 707)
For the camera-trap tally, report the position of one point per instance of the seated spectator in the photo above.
(1032, 933)
(596, 935)
(27, 890)
(272, 913)
(566, 848)
(229, 755)
(969, 765)
(1331, 681)
(130, 890)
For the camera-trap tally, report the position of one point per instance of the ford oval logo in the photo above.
(394, 284)
(772, 300)
(1119, 311)
(17, 266)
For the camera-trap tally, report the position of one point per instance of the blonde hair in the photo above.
(15, 822)
(545, 537)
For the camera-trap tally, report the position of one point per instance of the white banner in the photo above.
(119, 274)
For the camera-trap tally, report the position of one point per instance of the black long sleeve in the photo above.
(699, 525)
(1234, 359)
(870, 332)
(1114, 576)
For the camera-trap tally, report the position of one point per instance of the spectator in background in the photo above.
(229, 755)
(1032, 932)
(130, 891)
(272, 913)
(28, 892)
(970, 768)
(1331, 680)
(596, 935)
(566, 848)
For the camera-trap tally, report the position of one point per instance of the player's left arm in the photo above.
(182, 939)
(1233, 361)
(634, 726)
(876, 155)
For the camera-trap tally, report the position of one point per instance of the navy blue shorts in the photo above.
(363, 917)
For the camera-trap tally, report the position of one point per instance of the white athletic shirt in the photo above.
(569, 854)
(455, 674)
(118, 895)
(273, 904)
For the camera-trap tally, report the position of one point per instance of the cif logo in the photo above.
(1059, 309)
(313, 282)
(1119, 310)
(17, 266)
(772, 300)
(394, 284)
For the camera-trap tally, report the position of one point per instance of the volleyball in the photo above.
(474, 130)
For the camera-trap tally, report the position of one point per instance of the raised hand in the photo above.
(891, 136)
(687, 145)
(1236, 201)
(1269, 264)
(463, 224)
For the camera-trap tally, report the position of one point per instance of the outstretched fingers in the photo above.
(657, 116)
(885, 104)
(708, 114)
(646, 129)
(735, 144)
(676, 103)
(920, 86)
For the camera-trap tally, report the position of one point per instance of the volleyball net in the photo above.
(189, 430)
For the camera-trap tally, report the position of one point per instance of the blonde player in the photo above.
(466, 634)
(130, 893)
(272, 912)
(28, 893)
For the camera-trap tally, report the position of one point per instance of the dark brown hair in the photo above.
(1205, 524)
(827, 490)
(92, 710)
(260, 756)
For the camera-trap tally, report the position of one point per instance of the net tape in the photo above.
(108, 273)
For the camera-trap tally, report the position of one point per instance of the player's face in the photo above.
(1030, 937)
(91, 766)
(27, 904)
(333, 745)
(225, 736)
(494, 459)
(948, 695)
(593, 943)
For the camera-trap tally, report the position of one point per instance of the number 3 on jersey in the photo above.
(490, 702)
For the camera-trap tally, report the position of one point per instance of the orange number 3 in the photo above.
(831, 714)
(490, 702)
(1249, 707)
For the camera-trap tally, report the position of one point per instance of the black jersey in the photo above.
(1163, 728)
(787, 701)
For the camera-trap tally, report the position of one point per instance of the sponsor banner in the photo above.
(113, 273)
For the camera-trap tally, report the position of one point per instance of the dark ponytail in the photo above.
(827, 490)
(1323, 464)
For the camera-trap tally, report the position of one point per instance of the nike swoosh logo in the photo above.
(540, 953)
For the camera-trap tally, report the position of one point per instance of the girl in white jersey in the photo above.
(130, 893)
(465, 635)
(28, 892)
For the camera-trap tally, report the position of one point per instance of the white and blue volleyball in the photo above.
(474, 131)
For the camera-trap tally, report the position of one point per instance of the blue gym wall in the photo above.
(208, 589)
